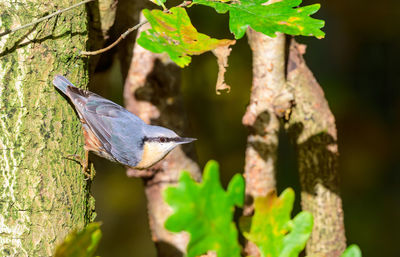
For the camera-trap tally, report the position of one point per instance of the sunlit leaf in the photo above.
(205, 211)
(173, 33)
(272, 229)
(352, 251)
(282, 16)
(80, 244)
(159, 2)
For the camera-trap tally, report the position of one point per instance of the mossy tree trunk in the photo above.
(43, 195)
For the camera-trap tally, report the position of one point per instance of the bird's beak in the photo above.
(186, 140)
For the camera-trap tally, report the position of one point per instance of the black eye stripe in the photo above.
(161, 139)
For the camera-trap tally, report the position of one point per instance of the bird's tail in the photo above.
(61, 83)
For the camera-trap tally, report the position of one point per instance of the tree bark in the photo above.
(152, 91)
(260, 119)
(43, 195)
(313, 130)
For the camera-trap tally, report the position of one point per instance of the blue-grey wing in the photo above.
(119, 130)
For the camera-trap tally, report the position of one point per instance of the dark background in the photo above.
(357, 66)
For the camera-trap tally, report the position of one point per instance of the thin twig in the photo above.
(124, 35)
(44, 18)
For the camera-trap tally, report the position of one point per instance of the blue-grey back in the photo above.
(120, 131)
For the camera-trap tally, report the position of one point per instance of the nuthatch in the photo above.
(113, 132)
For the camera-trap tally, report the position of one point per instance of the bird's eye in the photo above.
(162, 140)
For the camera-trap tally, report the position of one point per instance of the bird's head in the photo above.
(157, 143)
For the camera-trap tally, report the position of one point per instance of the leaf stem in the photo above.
(162, 5)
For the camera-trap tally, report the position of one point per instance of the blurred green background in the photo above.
(357, 64)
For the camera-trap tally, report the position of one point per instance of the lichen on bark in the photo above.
(43, 195)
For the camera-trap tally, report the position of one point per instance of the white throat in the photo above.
(154, 152)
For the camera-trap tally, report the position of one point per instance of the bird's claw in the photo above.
(84, 164)
(75, 158)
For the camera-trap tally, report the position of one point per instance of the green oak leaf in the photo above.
(352, 251)
(271, 228)
(80, 244)
(172, 32)
(205, 211)
(281, 16)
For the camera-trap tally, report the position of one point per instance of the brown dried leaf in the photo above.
(222, 54)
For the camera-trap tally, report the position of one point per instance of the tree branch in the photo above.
(312, 128)
(263, 124)
(123, 36)
(152, 91)
(268, 81)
